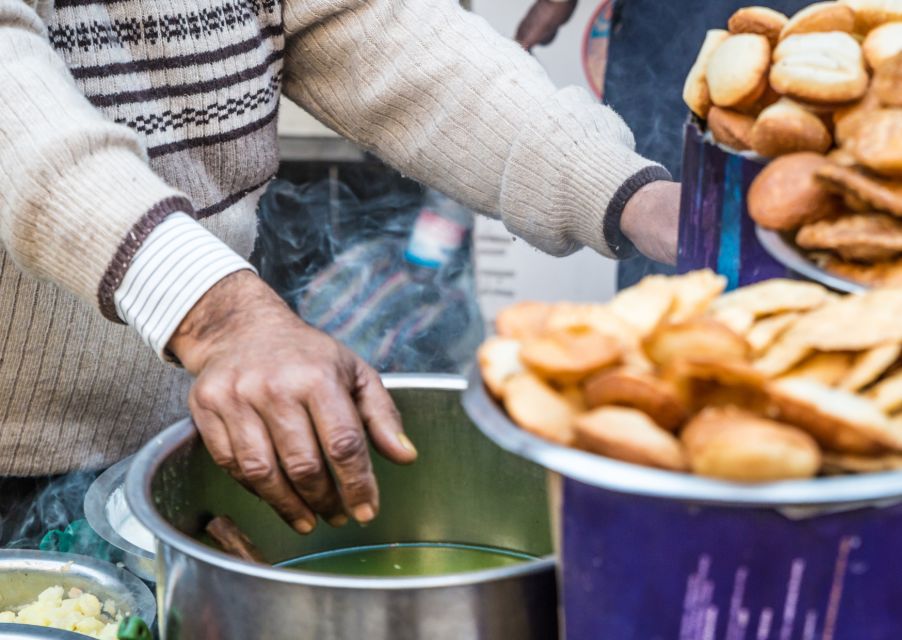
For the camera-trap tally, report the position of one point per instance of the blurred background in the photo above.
(406, 266)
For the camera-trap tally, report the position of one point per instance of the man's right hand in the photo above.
(287, 410)
(541, 24)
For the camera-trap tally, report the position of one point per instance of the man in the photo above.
(135, 139)
(652, 46)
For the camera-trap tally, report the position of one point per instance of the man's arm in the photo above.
(81, 207)
(78, 197)
(441, 96)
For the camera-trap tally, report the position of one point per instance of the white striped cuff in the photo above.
(177, 264)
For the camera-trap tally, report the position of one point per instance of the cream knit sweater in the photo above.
(116, 113)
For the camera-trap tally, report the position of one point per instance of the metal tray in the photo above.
(784, 251)
(623, 477)
(104, 489)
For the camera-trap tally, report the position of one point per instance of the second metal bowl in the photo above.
(790, 256)
(107, 510)
(24, 574)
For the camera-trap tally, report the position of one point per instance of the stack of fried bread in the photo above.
(775, 381)
(821, 92)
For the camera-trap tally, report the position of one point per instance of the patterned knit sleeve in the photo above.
(78, 196)
(442, 97)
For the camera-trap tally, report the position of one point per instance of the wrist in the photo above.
(633, 218)
(231, 303)
(624, 219)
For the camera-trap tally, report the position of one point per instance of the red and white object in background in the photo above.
(434, 240)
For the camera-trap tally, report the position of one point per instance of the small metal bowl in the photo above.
(25, 574)
(107, 491)
(784, 251)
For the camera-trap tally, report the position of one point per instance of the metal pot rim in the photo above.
(147, 462)
(10, 631)
(626, 478)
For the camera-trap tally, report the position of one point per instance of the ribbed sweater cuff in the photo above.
(621, 246)
(567, 172)
(102, 208)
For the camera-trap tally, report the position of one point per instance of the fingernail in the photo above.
(406, 443)
(304, 526)
(338, 521)
(364, 513)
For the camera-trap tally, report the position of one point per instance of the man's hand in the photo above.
(651, 220)
(279, 403)
(541, 24)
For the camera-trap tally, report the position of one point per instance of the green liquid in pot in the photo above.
(408, 559)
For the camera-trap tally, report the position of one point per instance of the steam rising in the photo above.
(26, 516)
(337, 258)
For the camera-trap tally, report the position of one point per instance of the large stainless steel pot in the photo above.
(462, 489)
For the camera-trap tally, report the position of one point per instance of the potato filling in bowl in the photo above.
(76, 611)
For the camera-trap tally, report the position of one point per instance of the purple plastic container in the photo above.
(716, 231)
(652, 555)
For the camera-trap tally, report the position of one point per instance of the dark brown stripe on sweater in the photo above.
(170, 121)
(175, 62)
(190, 143)
(225, 16)
(174, 91)
(82, 3)
(225, 203)
(120, 263)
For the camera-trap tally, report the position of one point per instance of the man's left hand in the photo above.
(651, 220)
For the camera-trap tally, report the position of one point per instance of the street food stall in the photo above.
(714, 455)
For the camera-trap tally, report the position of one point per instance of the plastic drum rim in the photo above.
(623, 477)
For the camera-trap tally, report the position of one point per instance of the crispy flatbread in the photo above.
(865, 237)
(880, 193)
(640, 390)
(499, 360)
(766, 331)
(569, 356)
(629, 435)
(838, 420)
(539, 409)
(869, 366)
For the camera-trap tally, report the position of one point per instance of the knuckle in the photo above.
(357, 488)
(279, 387)
(206, 393)
(249, 387)
(303, 469)
(346, 446)
(257, 470)
(224, 460)
(392, 413)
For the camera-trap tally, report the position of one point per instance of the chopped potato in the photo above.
(75, 611)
